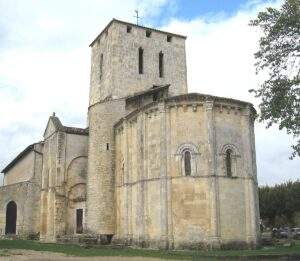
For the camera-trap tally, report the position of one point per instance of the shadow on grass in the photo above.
(76, 250)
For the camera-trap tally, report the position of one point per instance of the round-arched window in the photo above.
(187, 163)
(228, 162)
(188, 158)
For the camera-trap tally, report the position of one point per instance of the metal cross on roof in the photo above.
(137, 16)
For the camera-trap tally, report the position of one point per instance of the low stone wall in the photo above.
(79, 239)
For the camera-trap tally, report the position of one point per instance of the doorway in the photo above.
(11, 218)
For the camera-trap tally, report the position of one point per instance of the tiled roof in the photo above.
(154, 89)
(189, 97)
(71, 130)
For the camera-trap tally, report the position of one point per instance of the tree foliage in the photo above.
(279, 57)
(280, 204)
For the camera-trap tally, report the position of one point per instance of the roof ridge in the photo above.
(135, 25)
(19, 156)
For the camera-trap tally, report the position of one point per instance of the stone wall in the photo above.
(22, 185)
(63, 181)
(149, 173)
(51, 179)
(76, 191)
(157, 204)
(22, 171)
(120, 76)
(114, 76)
(26, 195)
(100, 181)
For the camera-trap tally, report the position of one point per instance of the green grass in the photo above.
(4, 252)
(75, 250)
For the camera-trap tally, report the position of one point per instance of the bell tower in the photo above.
(125, 59)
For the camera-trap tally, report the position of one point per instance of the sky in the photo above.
(45, 64)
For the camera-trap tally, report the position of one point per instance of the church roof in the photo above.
(19, 156)
(58, 127)
(203, 97)
(190, 97)
(70, 130)
(134, 25)
(154, 89)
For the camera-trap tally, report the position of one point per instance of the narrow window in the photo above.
(79, 219)
(161, 65)
(187, 163)
(228, 162)
(123, 174)
(101, 65)
(169, 38)
(155, 96)
(129, 28)
(107, 146)
(141, 60)
(148, 33)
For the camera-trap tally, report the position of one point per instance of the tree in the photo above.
(280, 204)
(279, 57)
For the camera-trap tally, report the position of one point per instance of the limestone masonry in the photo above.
(156, 167)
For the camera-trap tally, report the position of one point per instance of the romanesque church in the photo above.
(155, 167)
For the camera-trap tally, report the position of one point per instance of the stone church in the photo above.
(156, 166)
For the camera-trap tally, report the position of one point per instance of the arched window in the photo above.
(187, 157)
(161, 64)
(141, 60)
(228, 162)
(231, 163)
(187, 163)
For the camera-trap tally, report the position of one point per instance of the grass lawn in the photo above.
(75, 250)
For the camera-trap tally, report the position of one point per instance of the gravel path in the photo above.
(29, 255)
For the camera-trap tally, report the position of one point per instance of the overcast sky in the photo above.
(45, 64)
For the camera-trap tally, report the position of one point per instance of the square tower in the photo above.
(128, 58)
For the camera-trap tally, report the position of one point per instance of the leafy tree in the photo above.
(279, 57)
(280, 204)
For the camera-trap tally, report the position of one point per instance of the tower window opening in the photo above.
(129, 28)
(169, 38)
(148, 33)
(228, 162)
(141, 60)
(161, 65)
(107, 146)
(101, 65)
(187, 163)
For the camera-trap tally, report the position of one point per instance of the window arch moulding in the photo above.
(181, 154)
(235, 163)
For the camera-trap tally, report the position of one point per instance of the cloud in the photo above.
(45, 63)
(220, 61)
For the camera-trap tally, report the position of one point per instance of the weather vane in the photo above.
(137, 16)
